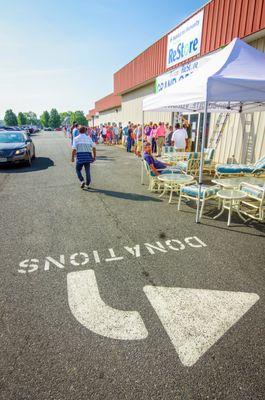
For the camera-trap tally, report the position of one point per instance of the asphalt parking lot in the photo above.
(111, 293)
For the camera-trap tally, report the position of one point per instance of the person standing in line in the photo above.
(104, 133)
(71, 131)
(124, 135)
(109, 135)
(153, 138)
(169, 136)
(120, 134)
(179, 138)
(84, 150)
(139, 146)
(147, 131)
(161, 133)
(116, 134)
(129, 139)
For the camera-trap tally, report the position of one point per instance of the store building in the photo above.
(179, 53)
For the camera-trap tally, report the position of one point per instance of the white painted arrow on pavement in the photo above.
(91, 311)
(196, 318)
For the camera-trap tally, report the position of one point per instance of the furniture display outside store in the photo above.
(191, 192)
(234, 183)
(231, 200)
(173, 182)
(254, 204)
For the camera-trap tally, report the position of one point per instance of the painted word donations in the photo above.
(107, 256)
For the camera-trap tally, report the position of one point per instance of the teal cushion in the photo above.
(228, 168)
(234, 168)
(192, 156)
(252, 191)
(182, 165)
(260, 164)
(192, 190)
(248, 169)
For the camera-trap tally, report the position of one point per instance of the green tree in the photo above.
(10, 118)
(79, 117)
(54, 120)
(32, 118)
(65, 114)
(44, 119)
(21, 119)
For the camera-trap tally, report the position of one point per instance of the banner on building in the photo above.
(175, 75)
(185, 41)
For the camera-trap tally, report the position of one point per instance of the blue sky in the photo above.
(63, 53)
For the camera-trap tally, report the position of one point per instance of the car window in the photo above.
(12, 137)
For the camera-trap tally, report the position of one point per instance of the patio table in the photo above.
(231, 201)
(172, 182)
(234, 183)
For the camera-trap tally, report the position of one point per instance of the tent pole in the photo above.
(201, 160)
(142, 167)
(198, 133)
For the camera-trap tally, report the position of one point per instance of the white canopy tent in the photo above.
(233, 80)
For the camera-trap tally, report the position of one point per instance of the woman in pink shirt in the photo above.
(153, 135)
(161, 133)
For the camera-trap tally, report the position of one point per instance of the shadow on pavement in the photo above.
(237, 226)
(123, 195)
(40, 163)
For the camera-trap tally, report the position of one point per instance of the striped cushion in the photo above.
(209, 155)
(260, 164)
(192, 190)
(252, 191)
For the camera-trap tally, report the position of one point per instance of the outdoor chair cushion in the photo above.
(193, 156)
(192, 190)
(166, 171)
(209, 155)
(260, 164)
(182, 165)
(234, 168)
(252, 191)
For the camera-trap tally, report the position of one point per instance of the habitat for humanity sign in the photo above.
(185, 41)
(175, 75)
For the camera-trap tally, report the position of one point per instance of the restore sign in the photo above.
(185, 41)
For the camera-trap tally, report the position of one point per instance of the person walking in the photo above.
(75, 130)
(84, 150)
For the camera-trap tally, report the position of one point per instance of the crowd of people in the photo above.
(131, 136)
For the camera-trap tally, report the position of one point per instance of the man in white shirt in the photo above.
(85, 152)
(179, 138)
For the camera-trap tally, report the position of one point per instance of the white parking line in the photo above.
(91, 311)
(196, 318)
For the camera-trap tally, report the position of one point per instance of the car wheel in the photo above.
(29, 161)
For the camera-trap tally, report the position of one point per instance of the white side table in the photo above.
(173, 182)
(231, 201)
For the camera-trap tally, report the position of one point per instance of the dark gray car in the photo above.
(16, 147)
